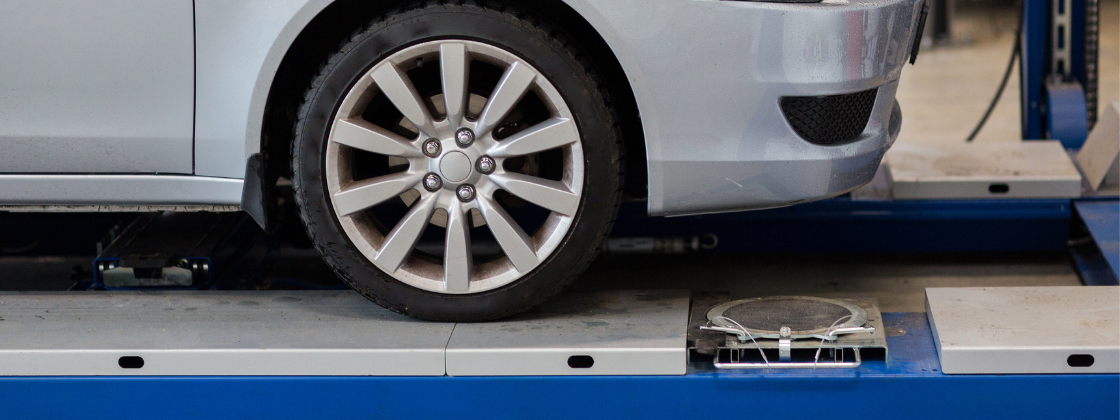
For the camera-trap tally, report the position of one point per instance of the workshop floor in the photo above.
(897, 281)
(944, 95)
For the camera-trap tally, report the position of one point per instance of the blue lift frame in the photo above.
(908, 386)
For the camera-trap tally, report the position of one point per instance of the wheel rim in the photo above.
(447, 157)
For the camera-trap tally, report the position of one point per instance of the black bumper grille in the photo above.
(829, 119)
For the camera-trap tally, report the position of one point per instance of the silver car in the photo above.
(450, 160)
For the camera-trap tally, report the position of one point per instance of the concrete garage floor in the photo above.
(944, 95)
(897, 281)
(942, 98)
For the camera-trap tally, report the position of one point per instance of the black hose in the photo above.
(1015, 52)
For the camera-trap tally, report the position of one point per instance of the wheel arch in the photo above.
(321, 26)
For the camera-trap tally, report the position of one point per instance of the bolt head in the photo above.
(464, 137)
(432, 182)
(465, 193)
(486, 164)
(432, 148)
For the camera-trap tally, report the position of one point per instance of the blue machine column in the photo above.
(1058, 70)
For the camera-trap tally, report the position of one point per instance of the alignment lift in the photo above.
(148, 347)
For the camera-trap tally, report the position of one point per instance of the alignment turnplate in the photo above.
(832, 331)
(805, 316)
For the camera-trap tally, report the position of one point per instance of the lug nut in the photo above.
(432, 182)
(432, 148)
(465, 193)
(486, 165)
(464, 137)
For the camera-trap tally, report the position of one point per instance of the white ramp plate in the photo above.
(1028, 169)
(605, 333)
(213, 333)
(1072, 329)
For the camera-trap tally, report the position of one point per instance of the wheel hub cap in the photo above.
(455, 166)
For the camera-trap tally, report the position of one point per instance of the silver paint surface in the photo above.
(707, 77)
(240, 46)
(96, 87)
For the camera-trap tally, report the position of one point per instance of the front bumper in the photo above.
(709, 77)
(791, 170)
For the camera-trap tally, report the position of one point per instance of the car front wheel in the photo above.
(456, 162)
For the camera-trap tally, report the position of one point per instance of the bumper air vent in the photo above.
(832, 119)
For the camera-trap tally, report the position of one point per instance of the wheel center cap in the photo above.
(455, 166)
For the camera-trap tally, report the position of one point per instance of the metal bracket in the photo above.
(784, 350)
(786, 364)
(832, 336)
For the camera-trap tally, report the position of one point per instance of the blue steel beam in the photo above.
(1033, 66)
(845, 225)
(1053, 106)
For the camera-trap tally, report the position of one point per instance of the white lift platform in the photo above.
(335, 333)
(613, 354)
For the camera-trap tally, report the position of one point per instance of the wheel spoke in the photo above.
(513, 240)
(398, 245)
(371, 192)
(398, 88)
(454, 71)
(457, 263)
(552, 195)
(361, 134)
(513, 85)
(547, 135)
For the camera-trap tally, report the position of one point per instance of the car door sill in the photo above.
(117, 192)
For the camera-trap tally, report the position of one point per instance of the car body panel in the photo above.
(707, 77)
(240, 47)
(96, 87)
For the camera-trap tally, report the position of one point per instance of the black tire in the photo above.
(538, 45)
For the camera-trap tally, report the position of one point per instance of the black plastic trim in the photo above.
(256, 194)
(829, 119)
(917, 42)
